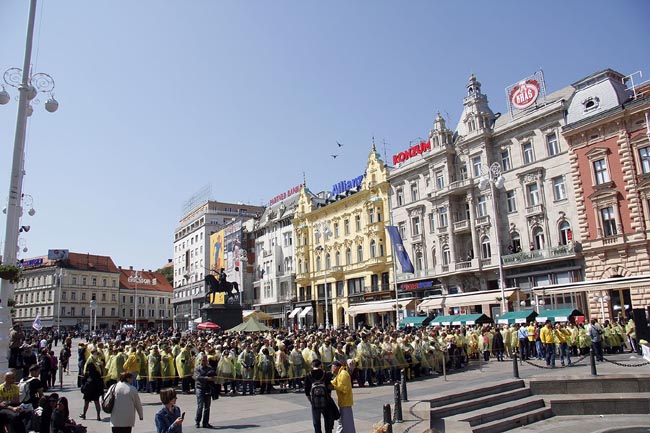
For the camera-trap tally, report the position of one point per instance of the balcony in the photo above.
(483, 220)
(537, 209)
(443, 229)
(463, 265)
(486, 262)
(534, 255)
(463, 183)
(460, 226)
(417, 238)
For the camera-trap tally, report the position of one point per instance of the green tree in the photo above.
(168, 273)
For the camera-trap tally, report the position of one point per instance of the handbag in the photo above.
(108, 399)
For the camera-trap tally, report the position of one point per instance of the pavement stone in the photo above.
(290, 413)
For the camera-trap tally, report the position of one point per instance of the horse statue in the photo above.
(229, 289)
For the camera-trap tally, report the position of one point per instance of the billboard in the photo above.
(526, 93)
(232, 249)
(216, 251)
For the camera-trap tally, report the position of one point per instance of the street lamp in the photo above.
(493, 178)
(602, 298)
(136, 275)
(28, 86)
(323, 230)
(59, 276)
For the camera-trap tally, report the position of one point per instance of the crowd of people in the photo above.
(211, 365)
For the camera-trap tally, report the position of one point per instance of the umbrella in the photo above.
(257, 315)
(251, 325)
(208, 325)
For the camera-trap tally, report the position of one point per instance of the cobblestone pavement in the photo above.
(284, 413)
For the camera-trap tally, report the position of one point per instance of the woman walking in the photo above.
(92, 389)
(127, 403)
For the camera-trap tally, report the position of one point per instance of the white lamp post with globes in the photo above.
(323, 230)
(601, 297)
(28, 85)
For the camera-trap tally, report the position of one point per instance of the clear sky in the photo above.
(160, 98)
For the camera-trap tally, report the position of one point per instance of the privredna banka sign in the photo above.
(418, 149)
(524, 94)
(291, 191)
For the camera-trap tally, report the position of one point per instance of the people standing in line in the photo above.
(596, 334)
(247, 361)
(342, 383)
(127, 403)
(169, 419)
(547, 337)
(92, 390)
(204, 377)
(318, 407)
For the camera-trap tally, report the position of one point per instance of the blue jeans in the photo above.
(203, 402)
(549, 351)
(523, 346)
(565, 351)
(327, 419)
(540, 349)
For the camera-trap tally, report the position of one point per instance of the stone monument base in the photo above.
(225, 315)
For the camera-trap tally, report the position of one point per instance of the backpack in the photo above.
(24, 393)
(265, 365)
(108, 400)
(318, 395)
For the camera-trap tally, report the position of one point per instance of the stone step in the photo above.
(475, 393)
(514, 421)
(501, 411)
(601, 404)
(591, 385)
(485, 401)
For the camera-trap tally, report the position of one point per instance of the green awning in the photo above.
(525, 316)
(562, 315)
(415, 321)
(442, 320)
(471, 319)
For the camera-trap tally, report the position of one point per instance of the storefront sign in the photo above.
(284, 195)
(418, 149)
(32, 263)
(415, 286)
(346, 185)
(524, 94)
(142, 280)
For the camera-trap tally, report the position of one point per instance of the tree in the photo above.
(168, 273)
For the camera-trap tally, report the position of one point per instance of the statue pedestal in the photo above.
(225, 315)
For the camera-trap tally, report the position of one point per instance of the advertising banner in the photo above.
(216, 251)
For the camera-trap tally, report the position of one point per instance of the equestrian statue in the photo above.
(229, 289)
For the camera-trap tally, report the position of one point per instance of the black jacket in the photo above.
(201, 376)
(315, 375)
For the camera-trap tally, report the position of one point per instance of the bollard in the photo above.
(398, 404)
(444, 365)
(61, 378)
(515, 367)
(405, 396)
(388, 422)
(592, 357)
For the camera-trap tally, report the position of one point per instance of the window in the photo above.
(336, 230)
(414, 192)
(644, 155)
(346, 226)
(481, 206)
(511, 201)
(328, 261)
(601, 172)
(533, 194)
(463, 171)
(559, 190)
(609, 221)
(72, 311)
(565, 233)
(337, 258)
(529, 156)
(83, 281)
(73, 296)
(415, 225)
(318, 264)
(486, 250)
(373, 249)
(104, 297)
(476, 166)
(402, 230)
(357, 222)
(419, 261)
(371, 216)
(400, 196)
(348, 256)
(444, 217)
(539, 240)
(432, 222)
(440, 180)
(552, 144)
(104, 282)
(505, 160)
(360, 254)
(446, 255)
(516, 242)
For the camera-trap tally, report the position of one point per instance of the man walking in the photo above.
(547, 337)
(317, 389)
(343, 386)
(522, 335)
(203, 376)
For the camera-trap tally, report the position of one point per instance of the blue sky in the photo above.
(159, 98)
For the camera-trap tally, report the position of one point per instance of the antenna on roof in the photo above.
(304, 179)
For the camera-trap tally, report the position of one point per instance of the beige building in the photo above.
(341, 240)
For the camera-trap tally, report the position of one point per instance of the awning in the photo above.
(304, 312)
(511, 317)
(415, 321)
(471, 319)
(294, 312)
(377, 306)
(466, 299)
(443, 320)
(563, 315)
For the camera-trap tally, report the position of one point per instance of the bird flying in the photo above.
(333, 156)
(340, 145)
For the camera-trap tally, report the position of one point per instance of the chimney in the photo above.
(130, 268)
(169, 260)
(119, 267)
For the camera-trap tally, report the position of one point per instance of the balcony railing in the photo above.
(461, 225)
(463, 265)
(546, 253)
(482, 220)
(534, 210)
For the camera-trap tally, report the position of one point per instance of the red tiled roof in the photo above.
(90, 262)
(154, 281)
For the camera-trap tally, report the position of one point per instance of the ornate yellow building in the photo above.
(341, 239)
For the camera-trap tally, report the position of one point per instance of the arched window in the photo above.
(539, 241)
(446, 255)
(486, 249)
(565, 233)
(328, 261)
(359, 254)
(348, 256)
(338, 258)
(419, 261)
(381, 248)
(300, 266)
(433, 257)
(373, 248)
(317, 263)
(515, 245)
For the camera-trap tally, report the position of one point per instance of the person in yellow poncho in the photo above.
(185, 368)
(143, 374)
(167, 368)
(132, 365)
(154, 370)
(342, 383)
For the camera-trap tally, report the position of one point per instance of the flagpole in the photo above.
(390, 218)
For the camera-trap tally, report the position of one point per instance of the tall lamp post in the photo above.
(323, 229)
(136, 275)
(493, 178)
(601, 298)
(59, 275)
(28, 86)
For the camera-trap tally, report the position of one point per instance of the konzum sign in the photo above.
(524, 94)
(416, 150)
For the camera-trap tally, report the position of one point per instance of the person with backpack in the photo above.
(31, 387)
(318, 389)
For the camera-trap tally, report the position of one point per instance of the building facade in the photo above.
(147, 293)
(609, 141)
(342, 244)
(487, 207)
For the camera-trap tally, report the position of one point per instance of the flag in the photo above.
(400, 252)
(37, 322)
